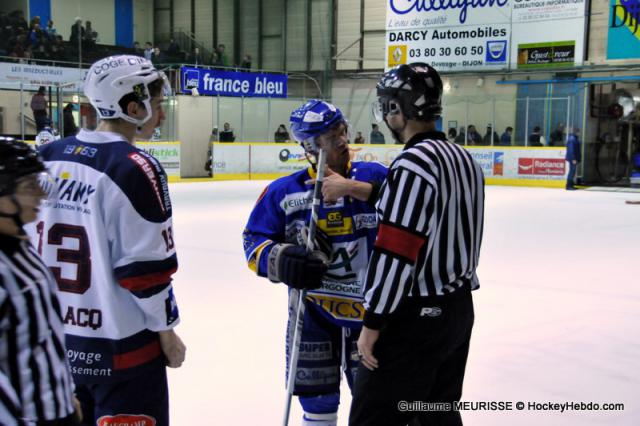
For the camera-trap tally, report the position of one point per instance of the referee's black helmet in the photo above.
(17, 159)
(416, 88)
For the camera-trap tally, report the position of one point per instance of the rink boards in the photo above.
(518, 166)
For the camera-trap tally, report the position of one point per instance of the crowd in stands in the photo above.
(470, 136)
(24, 41)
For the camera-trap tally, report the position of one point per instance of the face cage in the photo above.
(384, 106)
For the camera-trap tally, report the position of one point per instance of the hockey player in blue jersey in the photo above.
(108, 239)
(274, 248)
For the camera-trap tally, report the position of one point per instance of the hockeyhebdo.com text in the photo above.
(561, 407)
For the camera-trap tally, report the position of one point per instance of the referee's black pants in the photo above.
(421, 358)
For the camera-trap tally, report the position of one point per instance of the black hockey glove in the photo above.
(321, 241)
(295, 267)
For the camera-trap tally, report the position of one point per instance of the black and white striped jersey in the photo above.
(35, 380)
(431, 212)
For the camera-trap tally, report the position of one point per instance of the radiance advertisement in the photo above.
(624, 29)
(483, 35)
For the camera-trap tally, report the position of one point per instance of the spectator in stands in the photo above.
(376, 136)
(214, 134)
(51, 30)
(557, 136)
(68, 121)
(223, 61)
(534, 138)
(39, 108)
(226, 135)
(90, 37)
(34, 21)
(158, 56)
(505, 138)
(491, 137)
(18, 22)
(36, 36)
(77, 32)
(246, 62)
(148, 50)
(461, 138)
(473, 137)
(359, 138)
(215, 60)
(58, 49)
(173, 51)
(42, 53)
(452, 133)
(281, 135)
(137, 50)
(196, 57)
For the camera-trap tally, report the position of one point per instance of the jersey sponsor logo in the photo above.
(315, 351)
(84, 151)
(297, 201)
(127, 420)
(431, 312)
(74, 190)
(149, 172)
(83, 317)
(339, 308)
(86, 357)
(334, 220)
(341, 261)
(335, 227)
(365, 220)
(317, 376)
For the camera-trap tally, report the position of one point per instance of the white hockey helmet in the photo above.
(110, 79)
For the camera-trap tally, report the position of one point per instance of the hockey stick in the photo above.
(299, 318)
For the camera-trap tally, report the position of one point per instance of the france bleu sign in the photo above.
(228, 83)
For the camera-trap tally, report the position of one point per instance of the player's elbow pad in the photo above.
(160, 310)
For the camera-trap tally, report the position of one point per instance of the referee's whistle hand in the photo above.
(366, 342)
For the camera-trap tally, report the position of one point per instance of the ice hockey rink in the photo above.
(557, 314)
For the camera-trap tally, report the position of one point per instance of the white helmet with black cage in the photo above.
(110, 79)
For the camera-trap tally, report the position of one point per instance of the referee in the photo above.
(419, 312)
(36, 387)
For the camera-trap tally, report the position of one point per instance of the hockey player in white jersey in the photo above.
(108, 239)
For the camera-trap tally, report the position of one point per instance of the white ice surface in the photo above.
(557, 314)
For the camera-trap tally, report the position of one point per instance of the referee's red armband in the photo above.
(400, 242)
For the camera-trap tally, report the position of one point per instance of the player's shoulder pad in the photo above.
(370, 170)
(143, 180)
(138, 175)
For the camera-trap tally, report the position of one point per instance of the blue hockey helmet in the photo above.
(313, 119)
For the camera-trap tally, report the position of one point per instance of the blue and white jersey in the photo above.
(285, 206)
(108, 239)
